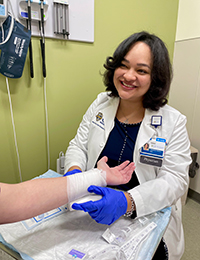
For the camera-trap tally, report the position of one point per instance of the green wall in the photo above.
(73, 81)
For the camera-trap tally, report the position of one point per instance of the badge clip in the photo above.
(156, 121)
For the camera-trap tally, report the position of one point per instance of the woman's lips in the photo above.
(127, 85)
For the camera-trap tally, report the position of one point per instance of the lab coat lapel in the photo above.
(109, 115)
(145, 133)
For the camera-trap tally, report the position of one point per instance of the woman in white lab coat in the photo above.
(132, 113)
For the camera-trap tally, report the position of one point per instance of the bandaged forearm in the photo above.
(77, 184)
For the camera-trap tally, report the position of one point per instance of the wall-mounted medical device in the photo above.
(75, 18)
(3, 8)
(35, 10)
(61, 17)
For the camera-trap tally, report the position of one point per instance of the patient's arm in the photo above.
(28, 199)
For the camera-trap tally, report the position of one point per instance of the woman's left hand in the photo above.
(106, 210)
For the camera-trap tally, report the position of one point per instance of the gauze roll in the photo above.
(77, 184)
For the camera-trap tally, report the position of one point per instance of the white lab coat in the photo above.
(159, 187)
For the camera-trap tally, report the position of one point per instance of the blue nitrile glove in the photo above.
(72, 172)
(106, 210)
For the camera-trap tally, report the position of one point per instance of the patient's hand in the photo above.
(116, 175)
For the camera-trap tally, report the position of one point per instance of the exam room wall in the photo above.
(186, 64)
(73, 82)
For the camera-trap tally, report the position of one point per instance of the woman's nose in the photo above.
(130, 75)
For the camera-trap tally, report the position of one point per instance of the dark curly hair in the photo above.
(161, 74)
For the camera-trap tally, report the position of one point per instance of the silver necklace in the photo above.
(124, 125)
(127, 118)
(124, 144)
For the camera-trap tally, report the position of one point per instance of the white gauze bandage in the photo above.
(77, 184)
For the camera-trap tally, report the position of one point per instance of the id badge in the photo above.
(152, 153)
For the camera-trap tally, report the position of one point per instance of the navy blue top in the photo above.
(120, 147)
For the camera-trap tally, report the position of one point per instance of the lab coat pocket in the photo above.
(177, 216)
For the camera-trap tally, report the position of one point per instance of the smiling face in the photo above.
(133, 78)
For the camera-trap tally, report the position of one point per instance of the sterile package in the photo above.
(33, 222)
(74, 234)
(75, 231)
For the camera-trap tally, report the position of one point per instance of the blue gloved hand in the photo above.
(106, 210)
(71, 172)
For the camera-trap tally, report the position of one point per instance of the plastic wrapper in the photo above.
(76, 231)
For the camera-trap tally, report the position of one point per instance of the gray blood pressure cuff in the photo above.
(14, 43)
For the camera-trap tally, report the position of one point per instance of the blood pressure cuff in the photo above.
(14, 47)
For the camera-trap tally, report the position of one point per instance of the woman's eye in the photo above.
(142, 71)
(123, 65)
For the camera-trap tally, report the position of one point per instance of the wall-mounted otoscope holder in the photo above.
(61, 17)
(75, 18)
(35, 10)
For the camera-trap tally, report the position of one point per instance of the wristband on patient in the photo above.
(77, 184)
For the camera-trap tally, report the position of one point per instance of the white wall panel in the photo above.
(195, 138)
(188, 23)
(185, 92)
(186, 67)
